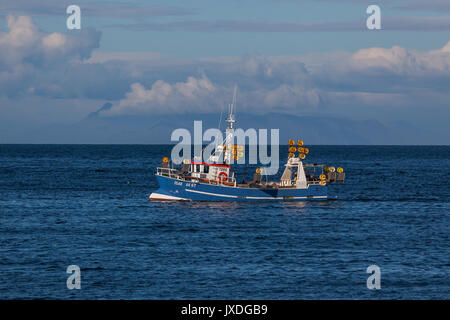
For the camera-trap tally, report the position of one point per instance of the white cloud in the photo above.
(29, 57)
(399, 60)
(196, 94)
(57, 65)
(367, 78)
(289, 98)
(25, 43)
(54, 40)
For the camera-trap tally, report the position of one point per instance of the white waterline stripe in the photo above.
(273, 198)
(212, 194)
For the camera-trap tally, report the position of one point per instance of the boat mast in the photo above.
(229, 132)
(226, 147)
(232, 108)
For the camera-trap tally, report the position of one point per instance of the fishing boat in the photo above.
(214, 179)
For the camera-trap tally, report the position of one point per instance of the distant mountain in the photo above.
(105, 107)
(157, 129)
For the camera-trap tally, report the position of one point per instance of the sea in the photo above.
(87, 205)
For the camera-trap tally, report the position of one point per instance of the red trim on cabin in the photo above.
(211, 164)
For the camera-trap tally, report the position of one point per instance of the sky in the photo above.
(298, 57)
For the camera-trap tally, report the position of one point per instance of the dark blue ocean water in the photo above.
(87, 205)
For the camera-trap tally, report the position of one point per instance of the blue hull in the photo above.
(173, 189)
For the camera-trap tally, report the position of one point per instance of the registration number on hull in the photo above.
(188, 184)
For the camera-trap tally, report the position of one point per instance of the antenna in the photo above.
(220, 120)
(231, 119)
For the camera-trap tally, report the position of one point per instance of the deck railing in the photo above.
(168, 172)
(174, 173)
